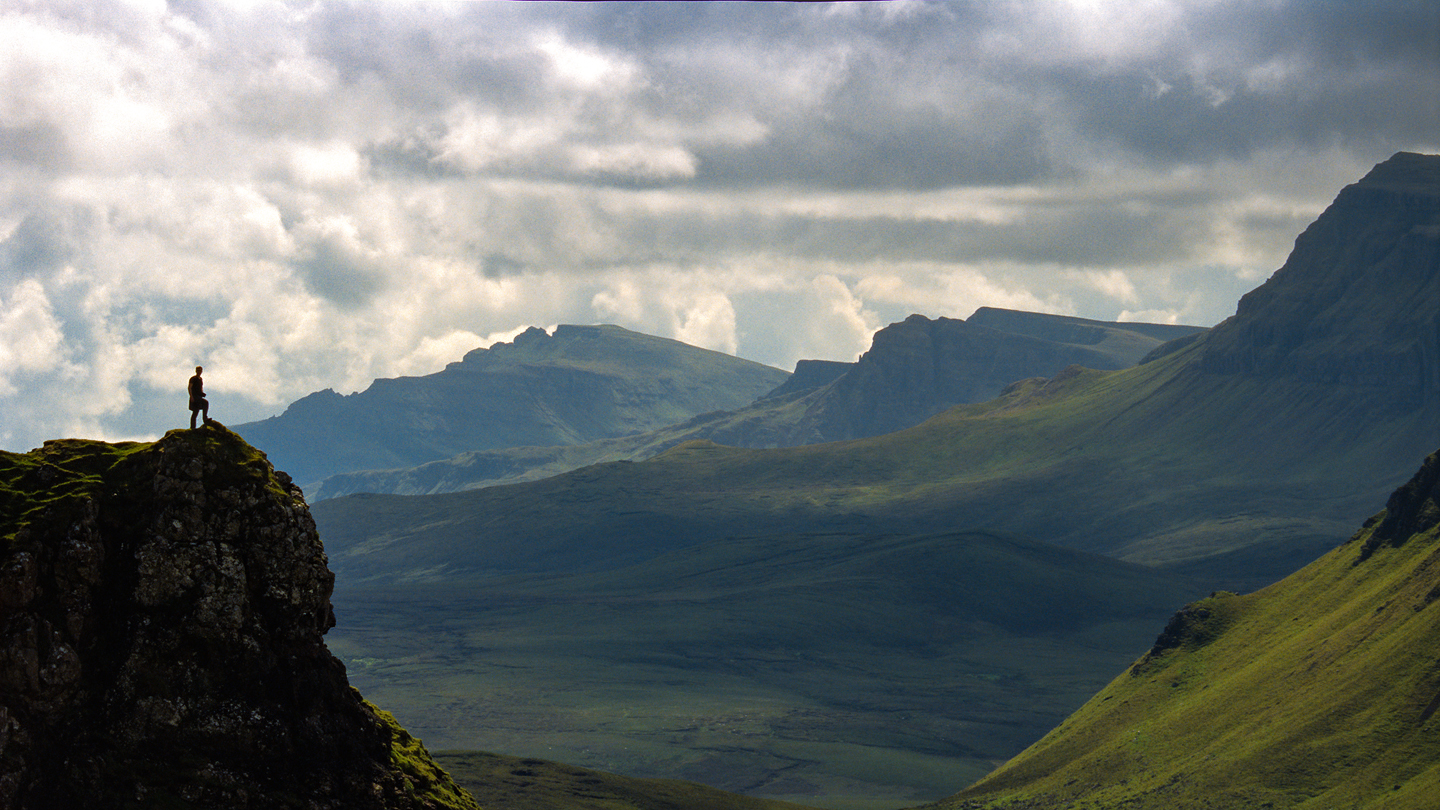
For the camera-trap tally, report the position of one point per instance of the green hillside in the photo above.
(1317, 692)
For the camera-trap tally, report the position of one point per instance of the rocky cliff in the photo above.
(920, 367)
(162, 607)
(1358, 301)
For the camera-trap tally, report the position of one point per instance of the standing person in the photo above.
(198, 402)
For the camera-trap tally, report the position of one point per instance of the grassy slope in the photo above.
(1319, 691)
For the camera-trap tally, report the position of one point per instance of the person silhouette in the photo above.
(198, 402)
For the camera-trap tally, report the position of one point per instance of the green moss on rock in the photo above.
(426, 781)
(60, 471)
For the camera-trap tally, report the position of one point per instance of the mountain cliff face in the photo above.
(919, 367)
(1318, 691)
(580, 384)
(162, 608)
(1358, 301)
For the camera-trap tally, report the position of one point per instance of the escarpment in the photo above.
(162, 608)
(1356, 303)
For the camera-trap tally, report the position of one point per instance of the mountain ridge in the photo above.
(1313, 450)
(580, 384)
(1380, 328)
(914, 369)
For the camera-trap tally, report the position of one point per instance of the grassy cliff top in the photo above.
(66, 470)
(61, 471)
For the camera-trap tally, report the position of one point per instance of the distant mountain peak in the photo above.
(575, 385)
(1405, 171)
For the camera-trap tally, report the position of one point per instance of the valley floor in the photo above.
(705, 690)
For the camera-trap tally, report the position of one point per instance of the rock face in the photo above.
(578, 385)
(919, 367)
(1358, 301)
(162, 608)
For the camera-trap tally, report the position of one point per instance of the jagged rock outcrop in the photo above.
(1412, 509)
(162, 608)
(1358, 300)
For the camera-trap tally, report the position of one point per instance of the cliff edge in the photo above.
(162, 607)
(1356, 303)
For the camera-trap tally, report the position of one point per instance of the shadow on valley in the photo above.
(848, 671)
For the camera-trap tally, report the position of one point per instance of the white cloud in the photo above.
(31, 339)
(1114, 284)
(690, 306)
(315, 195)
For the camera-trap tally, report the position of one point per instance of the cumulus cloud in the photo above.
(309, 195)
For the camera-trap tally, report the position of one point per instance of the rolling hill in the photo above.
(1318, 691)
(580, 384)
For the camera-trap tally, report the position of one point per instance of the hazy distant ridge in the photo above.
(913, 370)
(580, 384)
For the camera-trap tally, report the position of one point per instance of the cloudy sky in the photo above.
(311, 195)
